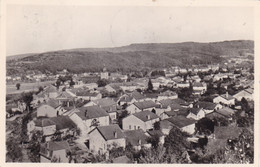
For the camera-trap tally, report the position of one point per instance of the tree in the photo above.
(154, 140)
(27, 98)
(102, 82)
(58, 83)
(150, 85)
(72, 83)
(14, 151)
(18, 85)
(34, 146)
(176, 143)
(205, 126)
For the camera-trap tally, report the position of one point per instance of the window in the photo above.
(129, 126)
(135, 127)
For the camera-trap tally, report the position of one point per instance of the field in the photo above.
(26, 87)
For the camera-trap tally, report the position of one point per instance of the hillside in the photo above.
(136, 57)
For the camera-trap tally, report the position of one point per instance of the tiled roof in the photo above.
(168, 93)
(53, 103)
(91, 112)
(195, 111)
(181, 121)
(227, 97)
(197, 84)
(146, 115)
(226, 111)
(206, 105)
(145, 104)
(136, 95)
(63, 122)
(110, 132)
(155, 132)
(122, 160)
(133, 137)
(44, 122)
(104, 102)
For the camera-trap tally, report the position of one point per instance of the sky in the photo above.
(36, 29)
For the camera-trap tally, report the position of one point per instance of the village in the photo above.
(172, 115)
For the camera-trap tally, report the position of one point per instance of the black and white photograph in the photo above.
(129, 84)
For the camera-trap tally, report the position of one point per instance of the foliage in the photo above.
(205, 126)
(102, 82)
(18, 85)
(27, 98)
(158, 73)
(34, 146)
(14, 151)
(176, 142)
(150, 85)
(72, 83)
(154, 140)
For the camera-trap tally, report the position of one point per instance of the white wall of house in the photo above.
(46, 110)
(220, 99)
(96, 145)
(80, 124)
(189, 129)
(200, 115)
(132, 109)
(103, 121)
(132, 123)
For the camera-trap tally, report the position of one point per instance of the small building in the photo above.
(141, 106)
(167, 95)
(248, 94)
(196, 113)
(104, 138)
(225, 99)
(208, 107)
(55, 152)
(88, 118)
(141, 120)
(137, 139)
(184, 124)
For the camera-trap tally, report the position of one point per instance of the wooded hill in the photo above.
(137, 57)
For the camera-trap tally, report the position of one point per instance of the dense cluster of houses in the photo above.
(95, 114)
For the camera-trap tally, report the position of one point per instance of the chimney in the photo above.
(86, 112)
(227, 94)
(115, 134)
(148, 117)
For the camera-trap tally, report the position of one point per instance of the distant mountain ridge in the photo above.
(136, 57)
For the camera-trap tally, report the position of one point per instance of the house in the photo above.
(137, 139)
(66, 99)
(167, 95)
(141, 120)
(108, 104)
(87, 118)
(141, 106)
(51, 91)
(85, 94)
(46, 110)
(49, 126)
(39, 99)
(248, 94)
(156, 133)
(129, 86)
(110, 89)
(130, 98)
(196, 113)
(183, 84)
(104, 138)
(224, 99)
(54, 151)
(208, 107)
(184, 124)
(224, 112)
(199, 88)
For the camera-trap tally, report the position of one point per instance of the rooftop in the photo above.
(110, 132)
(91, 112)
(133, 137)
(146, 115)
(181, 121)
(145, 104)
